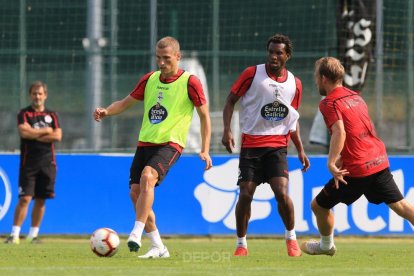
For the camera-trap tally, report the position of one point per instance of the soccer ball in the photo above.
(104, 242)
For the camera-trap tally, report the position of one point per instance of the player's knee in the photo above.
(314, 205)
(24, 201)
(147, 189)
(402, 208)
(281, 191)
(316, 208)
(147, 176)
(245, 197)
(40, 201)
(147, 183)
(282, 197)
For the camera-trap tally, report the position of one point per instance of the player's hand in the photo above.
(338, 174)
(99, 113)
(49, 130)
(206, 158)
(304, 160)
(228, 141)
(339, 162)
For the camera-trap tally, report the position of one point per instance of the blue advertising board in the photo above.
(92, 191)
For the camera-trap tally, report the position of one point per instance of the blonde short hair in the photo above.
(331, 68)
(168, 41)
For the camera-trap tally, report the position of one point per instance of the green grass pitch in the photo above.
(209, 256)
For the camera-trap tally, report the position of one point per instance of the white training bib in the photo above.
(265, 109)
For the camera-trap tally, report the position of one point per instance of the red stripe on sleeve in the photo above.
(298, 94)
(195, 91)
(21, 118)
(244, 81)
(138, 92)
(55, 119)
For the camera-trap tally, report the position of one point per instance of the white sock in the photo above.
(327, 242)
(242, 242)
(155, 239)
(33, 232)
(15, 232)
(290, 234)
(138, 229)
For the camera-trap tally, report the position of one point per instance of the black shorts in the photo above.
(261, 164)
(378, 188)
(37, 181)
(160, 158)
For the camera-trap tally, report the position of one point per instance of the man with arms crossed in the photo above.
(270, 95)
(357, 158)
(169, 96)
(38, 128)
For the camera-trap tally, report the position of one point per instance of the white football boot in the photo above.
(12, 240)
(313, 247)
(134, 244)
(156, 252)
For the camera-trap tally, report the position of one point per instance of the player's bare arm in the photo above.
(303, 158)
(336, 146)
(228, 139)
(115, 108)
(28, 132)
(205, 129)
(55, 136)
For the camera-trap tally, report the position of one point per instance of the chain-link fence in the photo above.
(93, 52)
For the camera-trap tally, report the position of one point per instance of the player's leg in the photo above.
(134, 194)
(152, 231)
(157, 249)
(285, 207)
(324, 218)
(44, 189)
(243, 213)
(143, 206)
(38, 212)
(277, 175)
(387, 191)
(404, 209)
(384, 189)
(150, 226)
(137, 166)
(321, 207)
(250, 175)
(149, 177)
(27, 178)
(325, 222)
(243, 206)
(158, 160)
(20, 213)
(286, 211)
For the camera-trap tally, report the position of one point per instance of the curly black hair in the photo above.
(279, 38)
